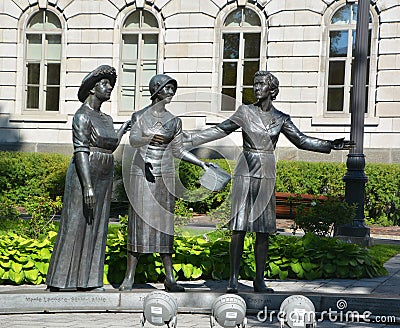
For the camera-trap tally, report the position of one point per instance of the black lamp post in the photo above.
(355, 177)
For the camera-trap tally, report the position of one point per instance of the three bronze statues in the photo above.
(157, 137)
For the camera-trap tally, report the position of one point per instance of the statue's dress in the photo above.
(253, 188)
(79, 252)
(152, 181)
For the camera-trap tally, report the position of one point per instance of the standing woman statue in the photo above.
(77, 262)
(156, 135)
(253, 194)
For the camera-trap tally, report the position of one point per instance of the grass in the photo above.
(384, 252)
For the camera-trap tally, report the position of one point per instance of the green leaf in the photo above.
(45, 254)
(197, 272)
(283, 275)
(177, 266)
(187, 270)
(17, 277)
(16, 267)
(42, 267)
(31, 275)
(5, 264)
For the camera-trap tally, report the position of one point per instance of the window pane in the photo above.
(234, 18)
(249, 69)
(130, 47)
(133, 20)
(52, 98)
(149, 20)
(335, 99)
(128, 99)
(228, 99)
(150, 43)
(231, 46)
(53, 47)
(129, 75)
(144, 98)
(32, 100)
(339, 43)
(336, 72)
(252, 45)
(34, 49)
(52, 21)
(248, 96)
(342, 16)
(36, 21)
(148, 71)
(53, 74)
(33, 73)
(229, 74)
(251, 18)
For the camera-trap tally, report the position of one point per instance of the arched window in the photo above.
(342, 37)
(240, 53)
(140, 35)
(43, 62)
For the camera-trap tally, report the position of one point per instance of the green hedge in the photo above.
(382, 204)
(23, 175)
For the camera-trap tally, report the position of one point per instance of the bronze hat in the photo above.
(159, 81)
(90, 80)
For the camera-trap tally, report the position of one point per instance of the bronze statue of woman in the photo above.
(253, 188)
(156, 135)
(77, 261)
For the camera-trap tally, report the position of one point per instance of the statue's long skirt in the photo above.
(78, 257)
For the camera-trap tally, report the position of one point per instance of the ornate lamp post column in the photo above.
(355, 177)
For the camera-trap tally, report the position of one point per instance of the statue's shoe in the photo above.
(173, 287)
(232, 287)
(259, 287)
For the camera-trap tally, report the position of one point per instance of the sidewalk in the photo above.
(370, 294)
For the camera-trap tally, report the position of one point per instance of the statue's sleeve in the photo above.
(136, 138)
(214, 133)
(81, 130)
(178, 150)
(302, 141)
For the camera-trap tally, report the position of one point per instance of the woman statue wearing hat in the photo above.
(77, 262)
(156, 135)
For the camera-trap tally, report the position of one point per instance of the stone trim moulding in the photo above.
(342, 121)
(58, 118)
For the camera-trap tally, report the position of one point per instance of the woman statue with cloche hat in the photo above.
(156, 135)
(77, 261)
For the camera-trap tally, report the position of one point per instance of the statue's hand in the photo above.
(341, 144)
(127, 126)
(88, 197)
(207, 164)
(158, 139)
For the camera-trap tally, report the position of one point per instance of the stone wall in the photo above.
(295, 51)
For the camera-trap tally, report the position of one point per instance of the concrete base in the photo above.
(28, 301)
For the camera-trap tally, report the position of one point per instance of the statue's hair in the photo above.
(272, 80)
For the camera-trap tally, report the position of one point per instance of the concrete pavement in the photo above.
(379, 296)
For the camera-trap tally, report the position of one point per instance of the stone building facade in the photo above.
(212, 48)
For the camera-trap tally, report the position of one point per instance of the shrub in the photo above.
(24, 175)
(309, 257)
(323, 216)
(24, 260)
